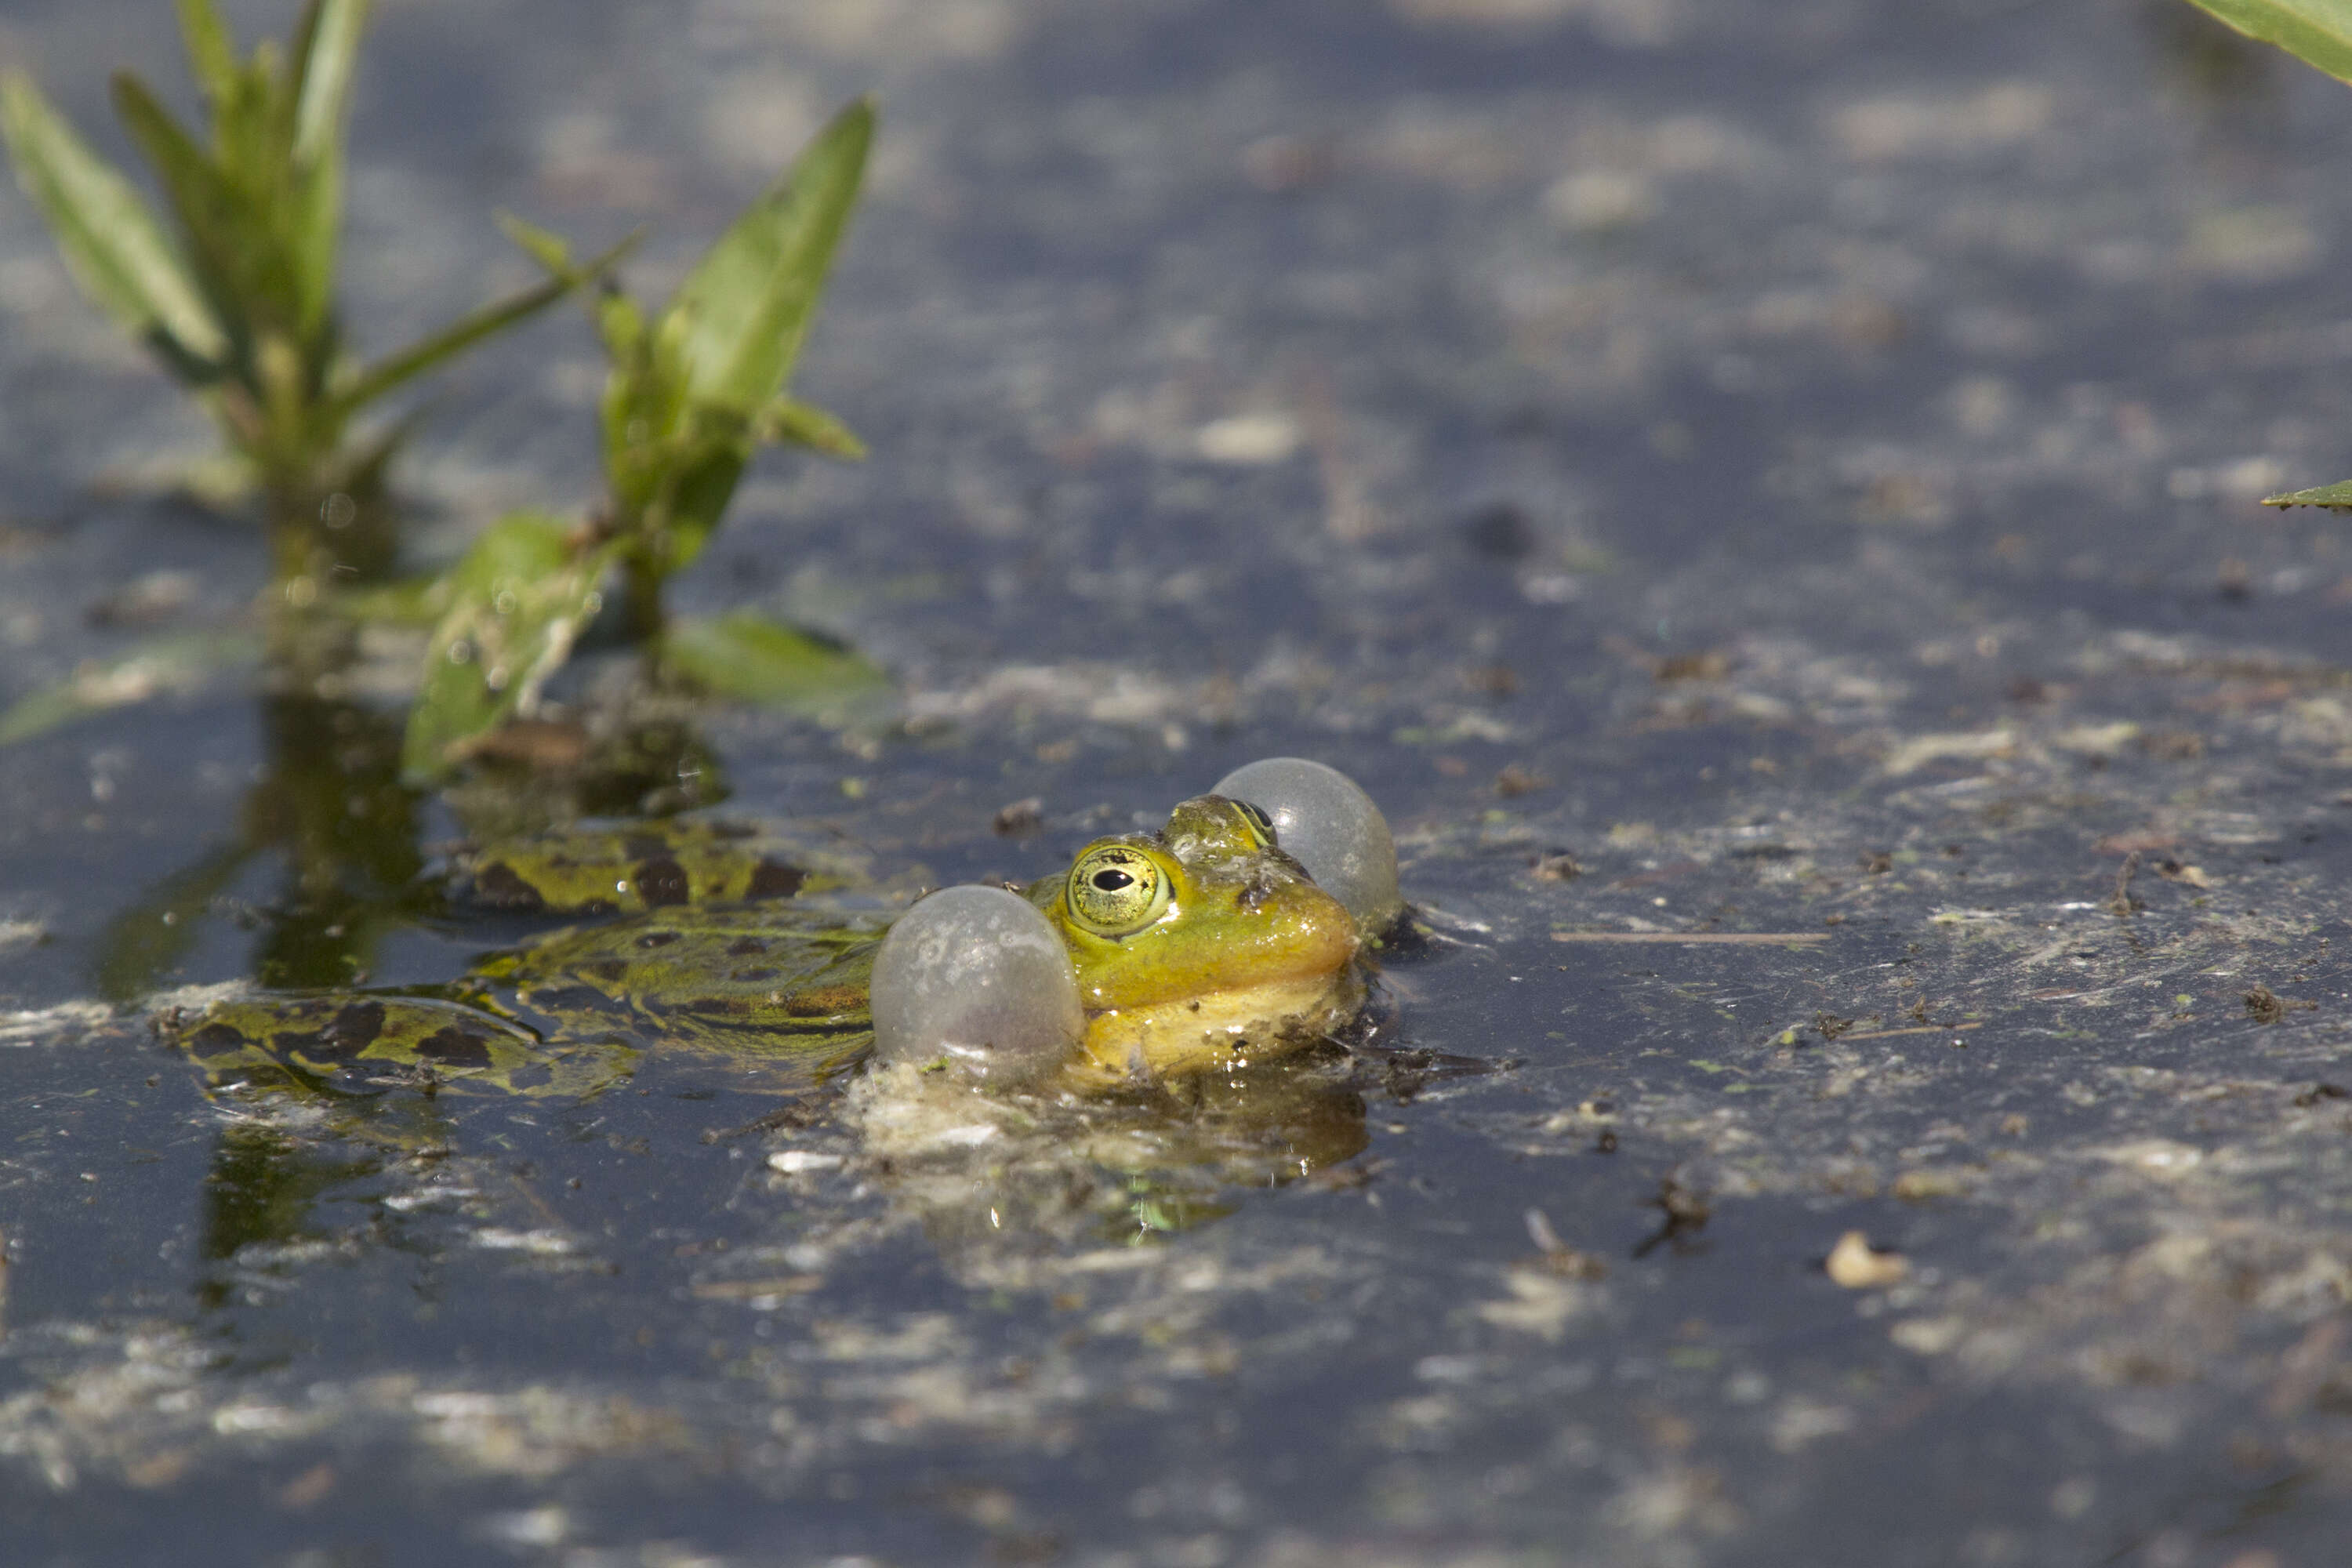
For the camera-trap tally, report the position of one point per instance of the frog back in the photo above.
(771, 980)
(570, 1012)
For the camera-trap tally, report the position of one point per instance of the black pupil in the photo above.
(1112, 882)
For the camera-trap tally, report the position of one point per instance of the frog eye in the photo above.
(1117, 889)
(1260, 823)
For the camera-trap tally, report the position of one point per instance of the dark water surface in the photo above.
(1797, 456)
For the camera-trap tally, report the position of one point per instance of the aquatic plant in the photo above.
(692, 394)
(236, 297)
(2319, 33)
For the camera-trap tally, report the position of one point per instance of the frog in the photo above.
(1198, 947)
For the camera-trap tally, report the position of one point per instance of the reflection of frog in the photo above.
(1202, 945)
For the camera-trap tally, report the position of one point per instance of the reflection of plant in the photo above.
(238, 300)
(692, 394)
(2319, 33)
(329, 808)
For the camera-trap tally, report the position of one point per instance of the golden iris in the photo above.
(1119, 889)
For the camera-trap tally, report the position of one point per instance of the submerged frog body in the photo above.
(1200, 946)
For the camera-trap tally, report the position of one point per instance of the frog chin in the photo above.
(1218, 1030)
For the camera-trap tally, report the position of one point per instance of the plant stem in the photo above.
(641, 607)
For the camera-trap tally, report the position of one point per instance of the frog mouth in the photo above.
(1223, 1029)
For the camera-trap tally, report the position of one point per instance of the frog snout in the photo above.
(1318, 936)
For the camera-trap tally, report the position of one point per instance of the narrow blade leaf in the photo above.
(211, 54)
(544, 246)
(326, 50)
(749, 657)
(2316, 32)
(180, 661)
(748, 303)
(463, 334)
(229, 247)
(111, 242)
(2336, 497)
(806, 425)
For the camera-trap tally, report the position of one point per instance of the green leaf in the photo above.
(111, 242)
(701, 483)
(461, 334)
(546, 246)
(643, 403)
(404, 602)
(806, 425)
(212, 56)
(748, 303)
(326, 51)
(518, 601)
(224, 242)
(748, 657)
(2337, 496)
(177, 661)
(2317, 32)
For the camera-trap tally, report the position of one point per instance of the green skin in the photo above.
(1238, 954)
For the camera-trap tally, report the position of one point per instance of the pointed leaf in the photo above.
(699, 488)
(2338, 496)
(2317, 32)
(317, 223)
(248, 142)
(111, 242)
(211, 54)
(748, 303)
(518, 601)
(326, 51)
(225, 244)
(463, 334)
(806, 425)
(547, 247)
(746, 655)
(177, 661)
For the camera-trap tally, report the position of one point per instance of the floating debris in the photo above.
(1857, 1264)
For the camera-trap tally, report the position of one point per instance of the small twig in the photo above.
(1925, 1030)
(1347, 515)
(1723, 938)
(554, 1221)
(1558, 1256)
(1686, 1210)
(2123, 903)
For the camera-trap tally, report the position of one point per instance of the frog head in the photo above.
(1201, 945)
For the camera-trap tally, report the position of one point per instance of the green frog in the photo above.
(1200, 946)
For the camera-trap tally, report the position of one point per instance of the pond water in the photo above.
(1789, 464)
